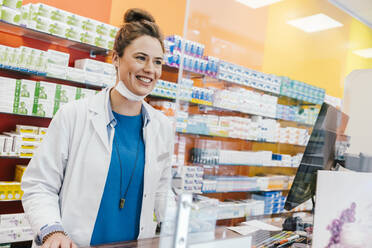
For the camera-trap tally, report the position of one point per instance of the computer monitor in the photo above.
(319, 155)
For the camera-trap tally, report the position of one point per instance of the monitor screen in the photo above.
(319, 155)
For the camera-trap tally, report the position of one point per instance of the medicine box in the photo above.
(10, 191)
(58, 58)
(19, 170)
(13, 221)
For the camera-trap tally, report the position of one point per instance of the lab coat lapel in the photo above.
(149, 139)
(99, 116)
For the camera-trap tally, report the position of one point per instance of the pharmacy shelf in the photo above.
(14, 157)
(208, 78)
(229, 110)
(33, 116)
(273, 215)
(257, 141)
(247, 165)
(189, 74)
(42, 36)
(243, 191)
(11, 207)
(37, 76)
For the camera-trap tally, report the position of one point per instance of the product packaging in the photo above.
(10, 191)
(19, 170)
(44, 99)
(56, 71)
(14, 4)
(75, 74)
(58, 58)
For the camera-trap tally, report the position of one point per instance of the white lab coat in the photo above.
(64, 182)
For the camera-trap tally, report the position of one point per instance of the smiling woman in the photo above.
(96, 185)
(138, 55)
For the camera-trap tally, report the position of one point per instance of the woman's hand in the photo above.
(58, 240)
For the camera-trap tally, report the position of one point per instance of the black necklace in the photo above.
(122, 197)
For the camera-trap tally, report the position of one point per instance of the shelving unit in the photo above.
(14, 35)
(17, 30)
(43, 77)
(201, 105)
(81, 50)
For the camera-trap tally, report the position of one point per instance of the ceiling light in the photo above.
(257, 3)
(315, 23)
(365, 53)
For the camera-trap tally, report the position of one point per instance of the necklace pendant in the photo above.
(122, 202)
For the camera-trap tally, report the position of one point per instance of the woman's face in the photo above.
(141, 64)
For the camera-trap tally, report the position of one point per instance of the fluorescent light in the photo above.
(257, 3)
(315, 23)
(365, 53)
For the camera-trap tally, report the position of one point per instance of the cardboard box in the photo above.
(58, 58)
(10, 15)
(27, 129)
(14, 4)
(65, 93)
(13, 221)
(19, 170)
(10, 191)
(75, 74)
(16, 234)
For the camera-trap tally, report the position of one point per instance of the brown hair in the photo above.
(137, 22)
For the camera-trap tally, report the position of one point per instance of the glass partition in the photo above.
(248, 82)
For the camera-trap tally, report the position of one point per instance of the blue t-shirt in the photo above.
(114, 224)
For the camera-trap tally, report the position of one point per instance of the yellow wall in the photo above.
(315, 58)
(169, 14)
(360, 38)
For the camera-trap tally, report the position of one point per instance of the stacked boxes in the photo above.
(189, 179)
(165, 89)
(192, 59)
(42, 99)
(244, 76)
(292, 135)
(254, 207)
(213, 184)
(67, 25)
(246, 101)
(14, 228)
(228, 157)
(202, 96)
(239, 183)
(10, 191)
(301, 91)
(274, 201)
(186, 91)
(306, 115)
(97, 72)
(233, 209)
(54, 64)
(22, 142)
(286, 112)
(16, 96)
(10, 11)
(169, 89)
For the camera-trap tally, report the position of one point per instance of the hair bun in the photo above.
(137, 15)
